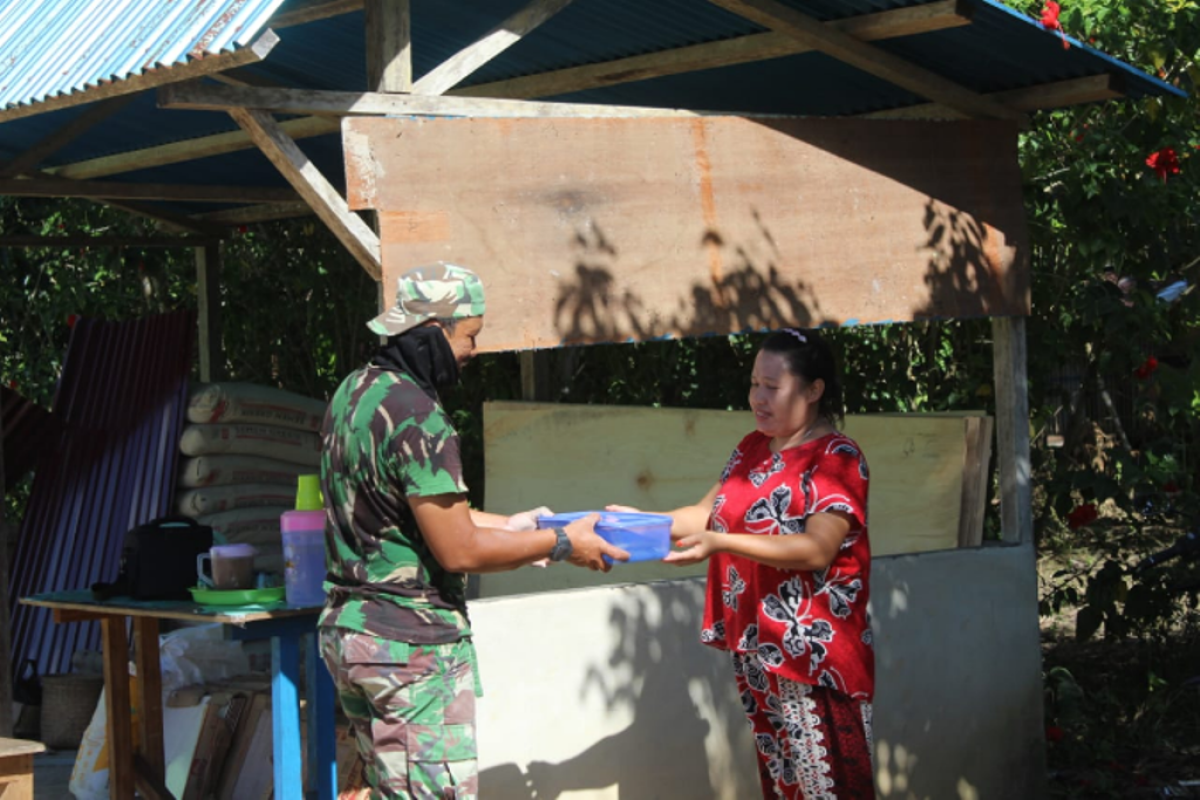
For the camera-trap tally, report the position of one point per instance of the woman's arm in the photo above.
(814, 549)
(686, 520)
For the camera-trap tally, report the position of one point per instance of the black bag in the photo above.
(158, 561)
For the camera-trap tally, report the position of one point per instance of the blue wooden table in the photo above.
(292, 630)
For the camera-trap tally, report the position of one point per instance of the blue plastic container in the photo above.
(646, 537)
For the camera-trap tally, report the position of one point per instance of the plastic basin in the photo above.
(646, 537)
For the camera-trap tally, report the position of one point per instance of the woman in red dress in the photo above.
(785, 534)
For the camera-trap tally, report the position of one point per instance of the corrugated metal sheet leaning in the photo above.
(121, 399)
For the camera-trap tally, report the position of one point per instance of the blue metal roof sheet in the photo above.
(56, 47)
(1001, 49)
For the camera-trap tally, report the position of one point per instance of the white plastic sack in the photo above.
(199, 654)
(268, 441)
(247, 402)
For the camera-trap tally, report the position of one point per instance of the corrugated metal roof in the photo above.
(57, 47)
(1001, 49)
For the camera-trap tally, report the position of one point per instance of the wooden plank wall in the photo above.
(577, 457)
(603, 230)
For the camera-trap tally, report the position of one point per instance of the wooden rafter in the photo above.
(310, 184)
(106, 241)
(317, 10)
(255, 213)
(53, 187)
(786, 20)
(454, 69)
(745, 49)
(167, 220)
(739, 50)
(151, 78)
(1075, 91)
(304, 101)
(34, 156)
(188, 150)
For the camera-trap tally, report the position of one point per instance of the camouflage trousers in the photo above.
(412, 710)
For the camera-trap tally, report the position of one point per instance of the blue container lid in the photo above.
(644, 536)
(608, 519)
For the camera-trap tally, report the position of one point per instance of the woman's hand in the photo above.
(624, 509)
(694, 548)
(527, 520)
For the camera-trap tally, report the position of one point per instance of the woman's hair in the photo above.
(810, 358)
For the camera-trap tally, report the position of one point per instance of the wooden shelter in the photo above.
(618, 171)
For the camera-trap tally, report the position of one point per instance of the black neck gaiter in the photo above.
(422, 353)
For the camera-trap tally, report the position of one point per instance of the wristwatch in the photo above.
(562, 545)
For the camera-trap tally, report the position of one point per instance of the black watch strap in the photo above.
(562, 545)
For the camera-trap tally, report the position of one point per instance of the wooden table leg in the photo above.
(16, 777)
(149, 670)
(116, 693)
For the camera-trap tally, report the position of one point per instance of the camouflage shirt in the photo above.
(386, 439)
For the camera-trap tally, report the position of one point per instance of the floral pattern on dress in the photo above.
(734, 586)
(807, 626)
(759, 477)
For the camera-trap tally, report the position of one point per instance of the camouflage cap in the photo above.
(429, 292)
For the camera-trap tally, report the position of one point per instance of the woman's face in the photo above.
(782, 402)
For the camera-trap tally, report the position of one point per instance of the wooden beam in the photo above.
(167, 220)
(454, 69)
(740, 50)
(317, 10)
(305, 101)
(34, 156)
(6, 677)
(786, 20)
(105, 241)
(1012, 429)
(208, 296)
(1091, 89)
(187, 150)
(331, 207)
(745, 49)
(388, 24)
(149, 79)
(55, 187)
(258, 213)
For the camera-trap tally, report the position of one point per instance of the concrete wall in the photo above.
(606, 692)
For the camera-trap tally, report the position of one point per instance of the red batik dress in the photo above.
(787, 627)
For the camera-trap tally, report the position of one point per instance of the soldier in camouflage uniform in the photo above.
(400, 538)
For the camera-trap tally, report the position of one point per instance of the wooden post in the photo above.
(389, 45)
(6, 675)
(388, 27)
(1012, 429)
(208, 293)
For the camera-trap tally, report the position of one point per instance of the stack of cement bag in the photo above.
(243, 448)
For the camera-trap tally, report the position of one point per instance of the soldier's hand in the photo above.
(588, 548)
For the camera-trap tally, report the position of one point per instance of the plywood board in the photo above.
(606, 230)
(577, 457)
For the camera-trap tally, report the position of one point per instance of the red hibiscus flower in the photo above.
(1082, 515)
(1050, 22)
(1147, 368)
(1164, 162)
(72, 319)
(1054, 733)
